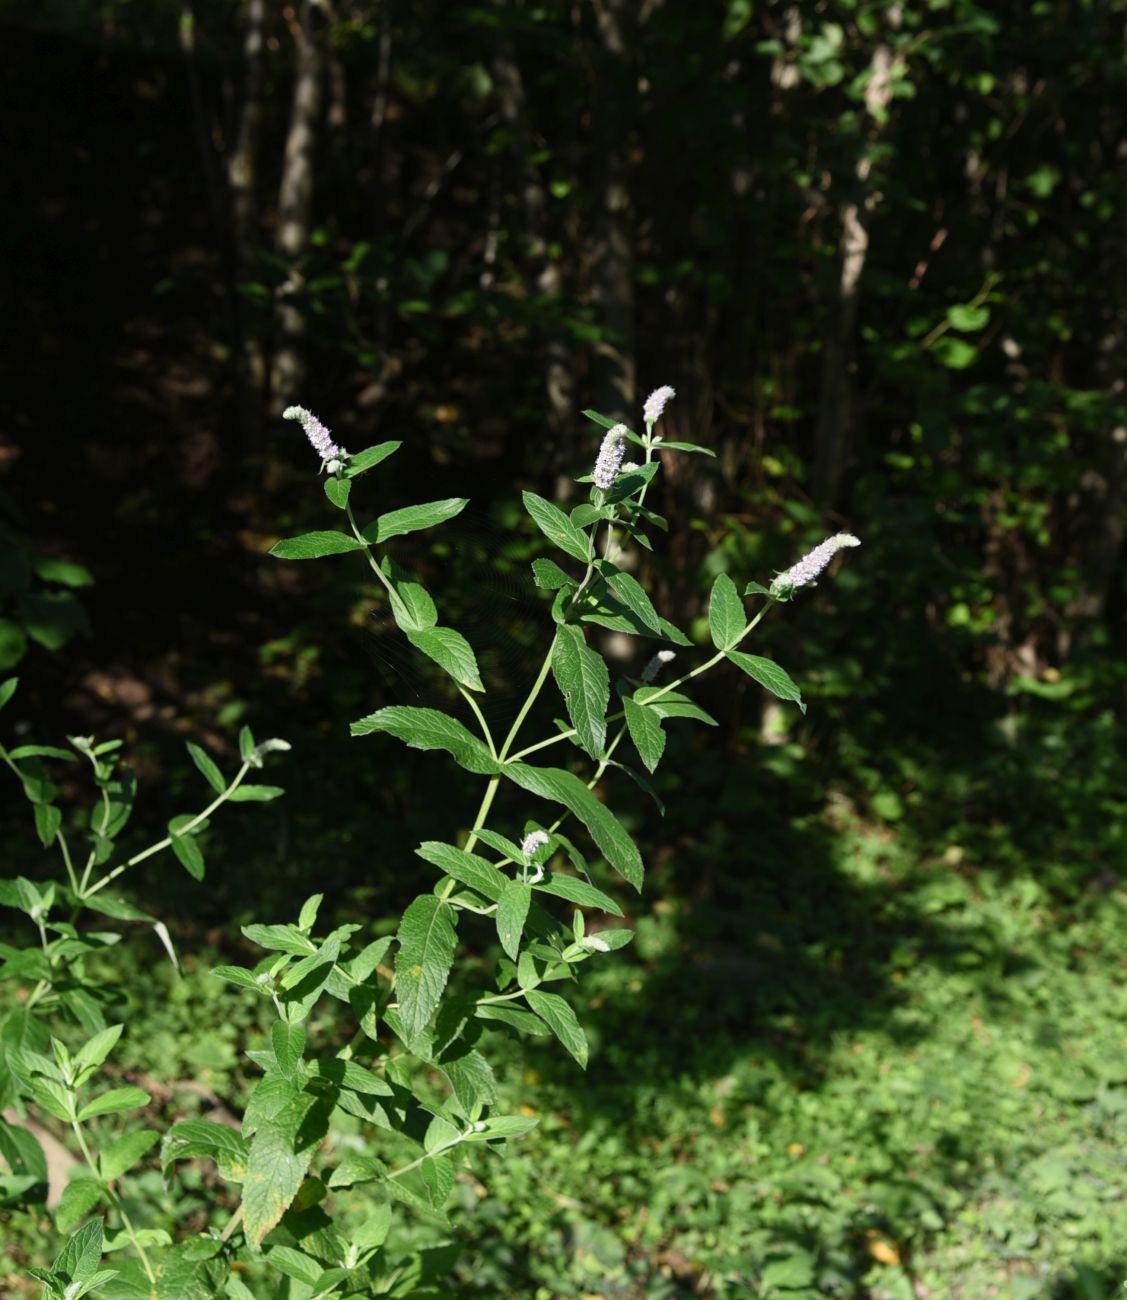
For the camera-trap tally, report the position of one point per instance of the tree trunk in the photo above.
(613, 252)
(295, 204)
(837, 406)
(242, 175)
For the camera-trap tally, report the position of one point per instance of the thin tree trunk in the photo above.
(837, 406)
(242, 175)
(613, 254)
(295, 203)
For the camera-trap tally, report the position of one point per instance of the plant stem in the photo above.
(217, 802)
(115, 1201)
(468, 696)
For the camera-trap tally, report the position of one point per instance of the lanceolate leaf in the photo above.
(311, 546)
(548, 574)
(369, 457)
(426, 952)
(581, 674)
(604, 827)
(451, 651)
(632, 594)
(430, 729)
(280, 1153)
(413, 518)
(726, 617)
(646, 732)
(467, 868)
(185, 847)
(673, 704)
(557, 527)
(512, 911)
(411, 605)
(559, 1016)
(206, 764)
(768, 673)
(577, 891)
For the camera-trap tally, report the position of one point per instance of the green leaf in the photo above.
(472, 1080)
(312, 546)
(429, 729)
(581, 674)
(768, 674)
(604, 827)
(672, 704)
(427, 1187)
(631, 593)
(413, 518)
(968, 318)
(255, 793)
(117, 1099)
(560, 1018)
(726, 617)
(646, 732)
(411, 605)
(422, 966)
(523, 1021)
(349, 1075)
(288, 1042)
(605, 422)
(8, 689)
(369, 458)
(95, 1050)
(548, 575)
(79, 1197)
(512, 911)
(81, 1256)
(577, 891)
(42, 751)
(466, 868)
(556, 526)
(281, 938)
(211, 773)
(280, 1154)
(451, 651)
(501, 843)
(48, 819)
(756, 589)
(187, 851)
(238, 975)
(338, 490)
(684, 446)
(124, 1152)
(503, 1126)
(194, 1138)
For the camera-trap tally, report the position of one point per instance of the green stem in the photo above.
(537, 686)
(115, 1200)
(366, 545)
(65, 848)
(217, 802)
(482, 812)
(468, 696)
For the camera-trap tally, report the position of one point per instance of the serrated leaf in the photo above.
(577, 891)
(288, 1042)
(195, 1138)
(631, 593)
(312, 546)
(756, 589)
(726, 616)
(427, 941)
(411, 604)
(427, 1187)
(582, 676)
(503, 1126)
(603, 826)
(187, 851)
(349, 1075)
(117, 1099)
(124, 1152)
(413, 518)
(523, 1021)
(646, 732)
(672, 704)
(505, 846)
(80, 1257)
(95, 1050)
(369, 458)
(451, 651)
(79, 1197)
(280, 1154)
(471, 1078)
(429, 729)
(466, 868)
(338, 490)
(239, 975)
(512, 912)
(548, 575)
(560, 1018)
(211, 773)
(48, 820)
(556, 526)
(281, 938)
(768, 674)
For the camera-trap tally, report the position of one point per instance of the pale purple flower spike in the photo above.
(610, 457)
(808, 568)
(316, 432)
(532, 841)
(655, 404)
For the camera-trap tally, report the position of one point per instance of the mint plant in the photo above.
(343, 1133)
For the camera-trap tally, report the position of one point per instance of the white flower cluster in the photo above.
(532, 841)
(656, 403)
(655, 665)
(316, 432)
(808, 568)
(610, 457)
